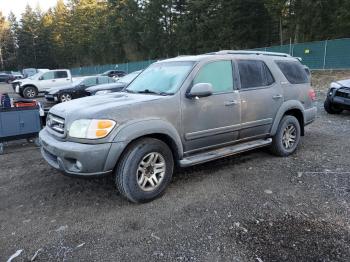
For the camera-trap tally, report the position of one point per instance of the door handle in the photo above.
(277, 97)
(231, 103)
(53, 80)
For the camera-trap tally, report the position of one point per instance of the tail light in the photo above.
(312, 94)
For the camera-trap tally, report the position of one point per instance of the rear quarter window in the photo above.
(293, 71)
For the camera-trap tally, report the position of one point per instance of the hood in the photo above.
(55, 90)
(100, 106)
(343, 83)
(93, 89)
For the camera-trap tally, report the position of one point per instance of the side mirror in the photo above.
(41, 78)
(201, 90)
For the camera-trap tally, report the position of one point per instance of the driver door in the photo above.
(214, 120)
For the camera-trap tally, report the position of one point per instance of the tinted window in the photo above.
(48, 76)
(254, 73)
(61, 74)
(219, 74)
(293, 71)
(89, 82)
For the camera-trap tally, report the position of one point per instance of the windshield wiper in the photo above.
(147, 91)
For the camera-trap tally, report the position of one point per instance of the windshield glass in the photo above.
(164, 78)
(129, 77)
(37, 75)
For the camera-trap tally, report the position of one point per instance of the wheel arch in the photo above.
(153, 128)
(292, 108)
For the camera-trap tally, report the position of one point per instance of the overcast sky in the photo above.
(18, 6)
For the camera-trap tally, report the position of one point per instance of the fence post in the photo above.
(325, 54)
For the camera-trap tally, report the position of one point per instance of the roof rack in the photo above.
(239, 52)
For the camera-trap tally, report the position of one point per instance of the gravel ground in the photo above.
(252, 207)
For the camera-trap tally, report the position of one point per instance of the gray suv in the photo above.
(182, 111)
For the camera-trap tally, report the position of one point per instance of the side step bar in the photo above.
(223, 152)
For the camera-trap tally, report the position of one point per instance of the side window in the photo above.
(269, 77)
(48, 76)
(219, 74)
(293, 71)
(90, 81)
(61, 74)
(103, 80)
(254, 73)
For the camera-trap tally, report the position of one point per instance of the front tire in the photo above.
(287, 138)
(65, 97)
(331, 108)
(30, 92)
(144, 170)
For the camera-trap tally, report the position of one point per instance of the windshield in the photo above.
(162, 78)
(37, 75)
(129, 77)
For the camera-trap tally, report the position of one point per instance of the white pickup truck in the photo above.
(41, 82)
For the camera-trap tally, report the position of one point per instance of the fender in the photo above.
(288, 105)
(140, 128)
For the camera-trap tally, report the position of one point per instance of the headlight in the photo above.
(102, 92)
(91, 128)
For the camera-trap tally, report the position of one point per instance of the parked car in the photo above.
(41, 82)
(182, 111)
(338, 97)
(77, 89)
(28, 72)
(119, 85)
(17, 75)
(114, 73)
(6, 78)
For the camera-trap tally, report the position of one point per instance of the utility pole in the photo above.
(35, 59)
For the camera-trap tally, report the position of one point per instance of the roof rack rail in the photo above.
(241, 52)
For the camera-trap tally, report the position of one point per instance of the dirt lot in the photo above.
(252, 207)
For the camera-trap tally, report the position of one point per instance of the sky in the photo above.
(18, 6)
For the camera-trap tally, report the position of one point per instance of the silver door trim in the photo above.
(261, 122)
(212, 132)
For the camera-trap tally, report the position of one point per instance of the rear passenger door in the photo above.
(261, 97)
(213, 120)
(61, 78)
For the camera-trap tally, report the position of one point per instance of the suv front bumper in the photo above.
(79, 159)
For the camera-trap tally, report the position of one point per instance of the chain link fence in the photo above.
(320, 55)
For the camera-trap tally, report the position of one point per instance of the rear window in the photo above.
(254, 73)
(61, 74)
(293, 71)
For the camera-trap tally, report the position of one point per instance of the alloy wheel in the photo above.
(289, 136)
(65, 97)
(151, 171)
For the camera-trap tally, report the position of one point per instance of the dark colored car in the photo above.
(113, 87)
(77, 89)
(6, 78)
(114, 73)
(338, 97)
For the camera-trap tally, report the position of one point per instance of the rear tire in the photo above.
(144, 170)
(30, 92)
(331, 108)
(287, 138)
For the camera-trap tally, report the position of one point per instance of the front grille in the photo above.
(56, 123)
(342, 94)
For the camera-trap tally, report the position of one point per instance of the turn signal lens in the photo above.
(101, 133)
(102, 124)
